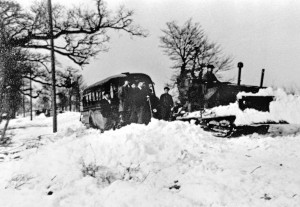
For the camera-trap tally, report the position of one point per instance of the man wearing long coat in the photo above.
(166, 103)
(124, 101)
(103, 119)
(133, 103)
(141, 104)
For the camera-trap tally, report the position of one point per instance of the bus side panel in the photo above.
(96, 120)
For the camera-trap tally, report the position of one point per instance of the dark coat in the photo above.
(105, 108)
(141, 97)
(124, 98)
(209, 78)
(141, 105)
(166, 101)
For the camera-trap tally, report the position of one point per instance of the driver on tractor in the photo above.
(209, 77)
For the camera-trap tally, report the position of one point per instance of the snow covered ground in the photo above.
(162, 164)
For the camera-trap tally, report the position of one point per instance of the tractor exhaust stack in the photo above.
(262, 77)
(239, 65)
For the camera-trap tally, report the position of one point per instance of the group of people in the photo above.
(195, 96)
(135, 101)
(200, 89)
(135, 104)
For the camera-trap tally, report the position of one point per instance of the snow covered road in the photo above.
(162, 164)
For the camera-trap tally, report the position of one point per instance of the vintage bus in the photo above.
(92, 110)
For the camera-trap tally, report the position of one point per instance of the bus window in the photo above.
(96, 96)
(92, 98)
(99, 95)
(88, 99)
(103, 92)
(151, 88)
(111, 90)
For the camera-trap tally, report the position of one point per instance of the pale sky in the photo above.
(259, 33)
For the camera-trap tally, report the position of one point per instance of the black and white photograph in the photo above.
(149, 103)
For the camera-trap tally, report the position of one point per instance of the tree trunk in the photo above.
(70, 100)
(4, 130)
(182, 69)
(183, 86)
(78, 98)
(1, 107)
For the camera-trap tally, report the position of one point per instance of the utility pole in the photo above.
(30, 91)
(23, 98)
(70, 90)
(70, 99)
(52, 68)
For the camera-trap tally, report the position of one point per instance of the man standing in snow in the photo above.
(124, 102)
(166, 103)
(195, 96)
(109, 117)
(133, 106)
(141, 101)
(105, 105)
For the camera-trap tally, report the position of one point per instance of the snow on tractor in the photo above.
(216, 93)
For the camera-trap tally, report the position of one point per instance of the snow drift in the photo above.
(162, 164)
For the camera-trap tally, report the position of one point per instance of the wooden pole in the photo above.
(52, 68)
(30, 85)
(23, 99)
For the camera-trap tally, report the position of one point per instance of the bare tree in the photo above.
(189, 49)
(11, 69)
(82, 33)
(73, 85)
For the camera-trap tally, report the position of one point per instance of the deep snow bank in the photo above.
(162, 164)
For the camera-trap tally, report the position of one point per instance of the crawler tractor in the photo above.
(224, 93)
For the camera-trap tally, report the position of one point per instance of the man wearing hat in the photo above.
(166, 103)
(124, 102)
(108, 118)
(209, 77)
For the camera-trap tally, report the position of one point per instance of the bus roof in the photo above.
(111, 78)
